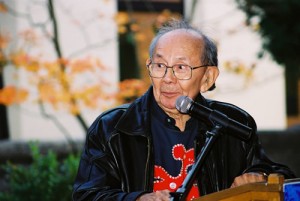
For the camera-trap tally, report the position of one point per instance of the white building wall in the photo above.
(263, 93)
(86, 28)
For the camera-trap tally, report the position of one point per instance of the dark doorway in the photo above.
(142, 13)
(3, 117)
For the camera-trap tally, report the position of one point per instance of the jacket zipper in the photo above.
(147, 171)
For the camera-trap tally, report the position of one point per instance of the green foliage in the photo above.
(279, 27)
(45, 178)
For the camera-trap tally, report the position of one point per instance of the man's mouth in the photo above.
(170, 94)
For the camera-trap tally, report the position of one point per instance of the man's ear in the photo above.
(209, 78)
(148, 61)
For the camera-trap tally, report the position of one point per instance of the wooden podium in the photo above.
(264, 191)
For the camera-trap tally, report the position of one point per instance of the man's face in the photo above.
(178, 47)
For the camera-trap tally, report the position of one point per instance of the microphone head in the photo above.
(183, 104)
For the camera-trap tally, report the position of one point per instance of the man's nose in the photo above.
(169, 74)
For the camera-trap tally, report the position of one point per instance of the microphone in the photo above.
(186, 105)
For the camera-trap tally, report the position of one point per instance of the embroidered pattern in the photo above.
(163, 180)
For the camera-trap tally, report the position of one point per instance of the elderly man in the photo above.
(144, 150)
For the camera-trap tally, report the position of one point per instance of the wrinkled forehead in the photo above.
(183, 35)
(187, 43)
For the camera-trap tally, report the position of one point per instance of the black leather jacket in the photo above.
(117, 161)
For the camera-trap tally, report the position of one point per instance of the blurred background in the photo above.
(62, 63)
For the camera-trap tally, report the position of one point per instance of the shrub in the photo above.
(46, 178)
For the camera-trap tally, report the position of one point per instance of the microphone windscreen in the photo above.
(183, 104)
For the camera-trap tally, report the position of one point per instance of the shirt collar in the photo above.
(160, 114)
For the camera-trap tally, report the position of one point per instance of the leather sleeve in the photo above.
(257, 160)
(231, 157)
(98, 177)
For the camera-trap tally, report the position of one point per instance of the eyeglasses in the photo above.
(180, 71)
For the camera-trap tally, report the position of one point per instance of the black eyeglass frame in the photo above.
(191, 67)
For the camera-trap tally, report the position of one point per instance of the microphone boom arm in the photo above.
(239, 130)
(184, 189)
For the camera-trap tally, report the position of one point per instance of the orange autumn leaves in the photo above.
(58, 82)
(55, 82)
(12, 95)
(130, 89)
(3, 7)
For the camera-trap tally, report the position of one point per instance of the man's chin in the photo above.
(169, 105)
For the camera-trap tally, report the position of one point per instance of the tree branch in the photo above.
(55, 40)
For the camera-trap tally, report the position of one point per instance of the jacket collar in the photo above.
(136, 119)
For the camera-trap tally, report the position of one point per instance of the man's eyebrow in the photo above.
(158, 55)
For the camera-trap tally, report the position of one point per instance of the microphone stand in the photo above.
(184, 189)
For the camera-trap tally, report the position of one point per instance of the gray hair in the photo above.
(209, 55)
